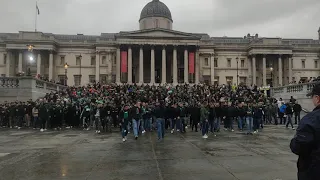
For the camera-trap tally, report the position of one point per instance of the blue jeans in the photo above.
(205, 127)
(147, 123)
(211, 124)
(35, 122)
(240, 122)
(160, 127)
(289, 120)
(249, 124)
(135, 125)
(172, 123)
(178, 124)
(256, 123)
(217, 122)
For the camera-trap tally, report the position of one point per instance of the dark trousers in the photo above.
(194, 125)
(282, 118)
(19, 121)
(297, 117)
(43, 122)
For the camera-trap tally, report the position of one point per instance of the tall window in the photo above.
(303, 63)
(93, 61)
(77, 80)
(229, 62)
(215, 62)
(206, 61)
(62, 60)
(104, 60)
(61, 79)
(78, 61)
(168, 25)
(4, 59)
(157, 23)
(316, 64)
(92, 78)
(242, 63)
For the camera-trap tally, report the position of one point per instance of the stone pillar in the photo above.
(8, 61)
(152, 81)
(280, 70)
(254, 70)
(20, 62)
(129, 65)
(186, 66)
(110, 58)
(197, 63)
(175, 66)
(38, 63)
(97, 66)
(118, 66)
(141, 65)
(264, 70)
(212, 68)
(51, 65)
(290, 69)
(163, 68)
(249, 81)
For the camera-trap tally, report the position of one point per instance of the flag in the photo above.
(37, 9)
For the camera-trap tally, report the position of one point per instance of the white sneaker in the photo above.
(225, 129)
(205, 136)
(186, 127)
(143, 131)
(98, 131)
(293, 128)
(172, 131)
(123, 139)
(88, 129)
(41, 130)
(67, 127)
(232, 130)
(19, 127)
(178, 130)
(255, 132)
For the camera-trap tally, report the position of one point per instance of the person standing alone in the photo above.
(306, 142)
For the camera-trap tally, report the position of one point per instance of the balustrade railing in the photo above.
(9, 82)
(29, 82)
(294, 88)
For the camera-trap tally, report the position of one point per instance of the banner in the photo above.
(191, 63)
(124, 61)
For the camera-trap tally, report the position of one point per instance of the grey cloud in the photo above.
(215, 17)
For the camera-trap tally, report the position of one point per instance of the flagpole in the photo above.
(35, 24)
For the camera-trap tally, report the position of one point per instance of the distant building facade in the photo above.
(157, 54)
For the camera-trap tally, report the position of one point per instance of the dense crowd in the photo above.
(147, 108)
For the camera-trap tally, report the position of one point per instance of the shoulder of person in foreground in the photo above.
(304, 140)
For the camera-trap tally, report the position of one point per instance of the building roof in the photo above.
(155, 8)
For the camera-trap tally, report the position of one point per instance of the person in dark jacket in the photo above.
(306, 142)
(257, 117)
(297, 109)
(159, 114)
(241, 115)
(289, 113)
(124, 117)
(195, 117)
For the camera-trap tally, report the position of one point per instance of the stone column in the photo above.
(254, 70)
(20, 62)
(249, 81)
(197, 63)
(152, 81)
(264, 70)
(110, 62)
(129, 65)
(186, 66)
(212, 68)
(51, 65)
(8, 61)
(38, 63)
(163, 68)
(175, 66)
(118, 66)
(97, 66)
(141, 65)
(290, 69)
(280, 70)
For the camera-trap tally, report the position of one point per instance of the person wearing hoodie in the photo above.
(204, 115)
(124, 117)
(257, 117)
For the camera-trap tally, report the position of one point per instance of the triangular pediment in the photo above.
(158, 33)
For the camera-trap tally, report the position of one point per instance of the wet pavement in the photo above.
(77, 155)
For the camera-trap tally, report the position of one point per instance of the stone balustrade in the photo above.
(25, 88)
(297, 91)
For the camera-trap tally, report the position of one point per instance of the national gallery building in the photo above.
(158, 54)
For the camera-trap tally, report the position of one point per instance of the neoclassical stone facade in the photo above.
(158, 54)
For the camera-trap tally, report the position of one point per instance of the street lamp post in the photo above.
(271, 70)
(31, 59)
(65, 73)
(237, 70)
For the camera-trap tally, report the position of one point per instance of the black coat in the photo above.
(306, 145)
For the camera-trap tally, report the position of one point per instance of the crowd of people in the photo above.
(138, 109)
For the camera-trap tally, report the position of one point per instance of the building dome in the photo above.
(155, 8)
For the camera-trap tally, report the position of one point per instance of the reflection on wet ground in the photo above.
(75, 154)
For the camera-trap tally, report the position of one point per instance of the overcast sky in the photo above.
(268, 18)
